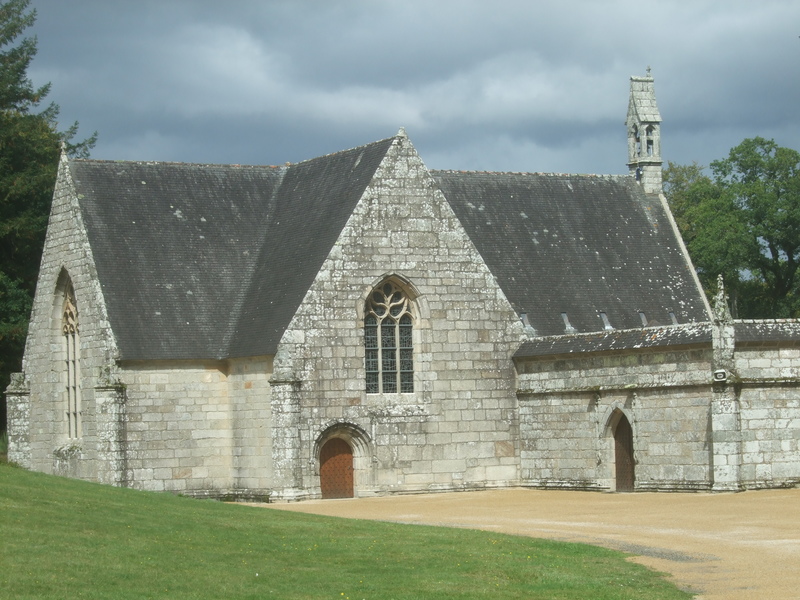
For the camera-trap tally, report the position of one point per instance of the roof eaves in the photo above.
(623, 340)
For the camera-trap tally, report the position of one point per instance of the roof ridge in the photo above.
(235, 165)
(338, 152)
(172, 163)
(530, 173)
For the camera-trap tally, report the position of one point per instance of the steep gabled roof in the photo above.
(315, 201)
(173, 244)
(211, 261)
(576, 244)
(642, 106)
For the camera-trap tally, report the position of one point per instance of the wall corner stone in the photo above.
(18, 402)
(285, 401)
(726, 434)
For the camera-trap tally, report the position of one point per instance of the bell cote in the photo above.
(644, 134)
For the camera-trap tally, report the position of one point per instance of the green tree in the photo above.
(743, 222)
(30, 145)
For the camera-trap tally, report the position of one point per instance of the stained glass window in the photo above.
(388, 341)
(72, 378)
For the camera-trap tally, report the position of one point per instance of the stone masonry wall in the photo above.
(193, 428)
(49, 448)
(250, 392)
(458, 429)
(179, 427)
(566, 404)
(769, 400)
(248, 428)
(199, 428)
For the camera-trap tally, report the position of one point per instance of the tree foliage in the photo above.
(743, 221)
(30, 144)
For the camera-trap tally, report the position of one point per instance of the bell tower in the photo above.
(644, 134)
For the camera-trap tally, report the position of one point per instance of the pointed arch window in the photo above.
(388, 340)
(70, 336)
(650, 131)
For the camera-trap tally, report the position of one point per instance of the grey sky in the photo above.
(506, 85)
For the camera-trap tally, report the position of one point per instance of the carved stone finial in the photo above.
(722, 312)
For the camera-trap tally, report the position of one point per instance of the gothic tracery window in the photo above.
(71, 352)
(388, 329)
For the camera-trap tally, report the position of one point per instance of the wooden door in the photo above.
(336, 469)
(623, 455)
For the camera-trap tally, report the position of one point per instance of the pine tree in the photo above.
(30, 144)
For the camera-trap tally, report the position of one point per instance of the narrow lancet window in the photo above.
(388, 340)
(71, 352)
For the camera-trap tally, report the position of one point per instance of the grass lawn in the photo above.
(61, 538)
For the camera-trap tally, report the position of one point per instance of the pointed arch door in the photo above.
(623, 455)
(336, 469)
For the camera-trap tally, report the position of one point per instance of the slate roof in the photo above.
(649, 337)
(576, 244)
(315, 201)
(642, 100)
(173, 244)
(212, 261)
(767, 332)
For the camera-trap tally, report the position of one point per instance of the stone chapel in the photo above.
(358, 324)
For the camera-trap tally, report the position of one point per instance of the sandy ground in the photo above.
(719, 546)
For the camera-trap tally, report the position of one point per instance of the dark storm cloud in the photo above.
(507, 85)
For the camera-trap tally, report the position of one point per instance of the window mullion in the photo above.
(380, 357)
(387, 338)
(71, 348)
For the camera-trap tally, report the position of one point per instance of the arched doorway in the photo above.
(623, 454)
(336, 469)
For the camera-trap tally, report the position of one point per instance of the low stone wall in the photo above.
(567, 404)
(769, 400)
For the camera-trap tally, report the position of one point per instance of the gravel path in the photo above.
(720, 546)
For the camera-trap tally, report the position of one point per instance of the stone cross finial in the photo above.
(722, 312)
